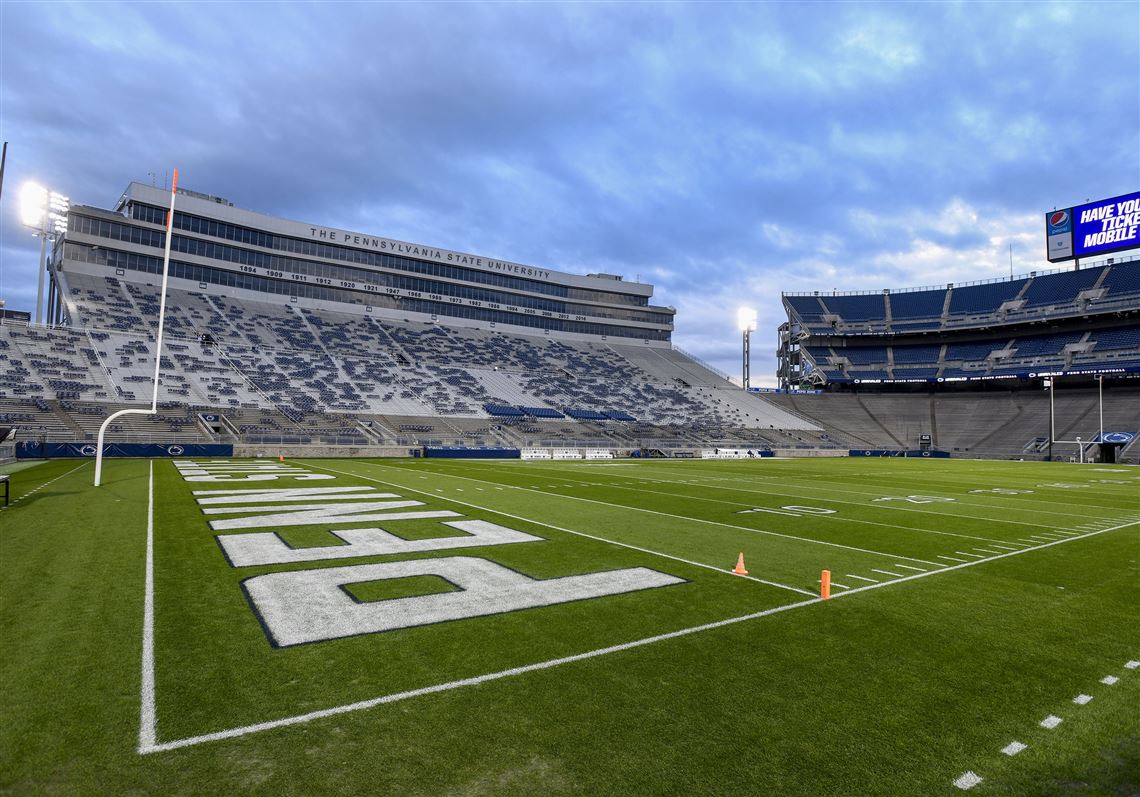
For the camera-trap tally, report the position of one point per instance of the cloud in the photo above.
(724, 152)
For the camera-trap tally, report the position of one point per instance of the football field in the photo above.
(506, 627)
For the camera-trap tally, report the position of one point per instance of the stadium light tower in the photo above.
(157, 341)
(746, 321)
(45, 212)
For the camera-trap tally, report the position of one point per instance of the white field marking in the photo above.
(1014, 747)
(365, 704)
(479, 679)
(644, 510)
(908, 567)
(939, 485)
(35, 490)
(888, 573)
(1109, 680)
(955, 558)
(1132, 665)
(967, 780)
(1050, 722)
(864, 578)
(579, 533)
(1082, 700)
(964, 553)
(1004, 547)
(986, 550)
(830, 490)
(146, 702)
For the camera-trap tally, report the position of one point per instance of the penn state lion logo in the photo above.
(88, 451)
(175, 451)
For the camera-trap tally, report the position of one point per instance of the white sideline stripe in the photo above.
(967, 780)
(1081, 700)
(1109, 680)
(887, 573)
(863, 578)
(908, 567)
(640, 509)
(827, 499)
(35, 490)
(146, 703)
(956, 559)
(1014, 747)
(478, 679)
(580, 534)
(1050, 722)
(343, 709)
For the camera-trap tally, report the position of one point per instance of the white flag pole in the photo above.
(158, 341)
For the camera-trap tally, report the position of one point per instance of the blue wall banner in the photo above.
(886, 452)
(472, 453)
(30, 449)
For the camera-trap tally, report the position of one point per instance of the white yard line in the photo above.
(807, 491)
(147, 732)
(864, 578)
(955, 558)
(908, 567)
(579, 533)
(887, 573)
(155, 747)
(640, 509)
(35, 490)
(873, 488)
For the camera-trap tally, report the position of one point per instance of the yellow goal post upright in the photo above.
(157, 344)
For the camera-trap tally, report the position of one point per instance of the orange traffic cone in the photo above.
(740, 571)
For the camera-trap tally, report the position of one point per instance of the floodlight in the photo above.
(746, 319)
(33, 204)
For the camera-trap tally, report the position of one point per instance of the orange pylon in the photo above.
(825, 584)
(740, 571)
(280, 457)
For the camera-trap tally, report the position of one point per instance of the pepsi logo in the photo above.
(1059, 217)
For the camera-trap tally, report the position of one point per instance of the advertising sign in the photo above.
(1107, 225)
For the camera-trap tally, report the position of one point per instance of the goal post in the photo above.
(157, 344)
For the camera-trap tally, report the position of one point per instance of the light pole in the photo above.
(45, 212)
(746, 321)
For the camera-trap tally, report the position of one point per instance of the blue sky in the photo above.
(723, 152)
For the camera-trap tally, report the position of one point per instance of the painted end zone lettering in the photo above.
(266, 548)
(303, 606)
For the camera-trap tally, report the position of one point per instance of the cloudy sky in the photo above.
(723, 152)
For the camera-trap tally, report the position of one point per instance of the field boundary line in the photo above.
(814, 517)
(815, 485)
(572, 531)
(853, 503)
(244, 730)
(146, 688)
(36, 489)
(649, 511)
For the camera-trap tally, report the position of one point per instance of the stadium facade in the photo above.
(217, 247)
(286, 336)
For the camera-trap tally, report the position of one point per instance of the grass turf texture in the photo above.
(894, 690)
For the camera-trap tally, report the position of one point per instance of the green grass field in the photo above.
(587, 637)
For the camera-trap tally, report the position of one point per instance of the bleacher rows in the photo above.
(285, 371)
(1060, 351)
(1098, 289)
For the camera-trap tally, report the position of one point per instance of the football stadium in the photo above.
(391, 518)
